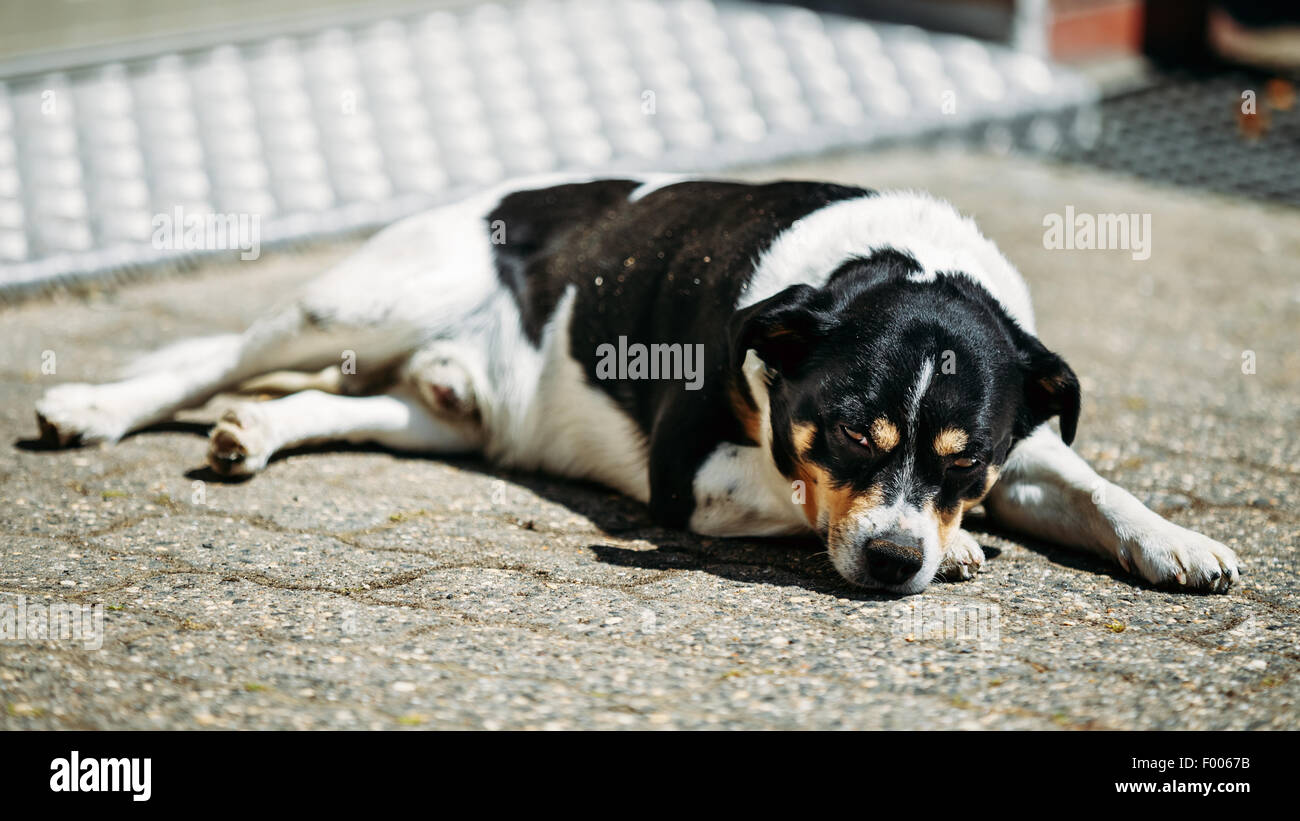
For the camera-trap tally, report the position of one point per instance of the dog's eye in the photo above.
(860, 438)
(963, 463)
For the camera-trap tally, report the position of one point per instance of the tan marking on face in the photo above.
(853, 505)
(1052, 383)
(949, 521)
(990, 479)
(884, 433)
(802, 433)
(844, 505)
(746, 414)
(950, 441)
(820, 491)
(815, 483)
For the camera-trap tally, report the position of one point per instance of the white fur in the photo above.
(177, 378)
(914, 399)
(930, 230)
(764, 501)
(1049, 491)
(900, 523)
(400, 419)
(652, 183)
(563, 425)
(738, 492)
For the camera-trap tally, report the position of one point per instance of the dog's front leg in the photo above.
(1046, 490)
(962, 556)
(737, 493)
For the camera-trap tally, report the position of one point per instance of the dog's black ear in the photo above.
(1051, 388)
(781, 329)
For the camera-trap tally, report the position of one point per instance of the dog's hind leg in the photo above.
(1048, 491)
(182, 375)
(418, 279)
(443, 375)
(330, 379)
(248, 435)
(178, 376)
(327, 380)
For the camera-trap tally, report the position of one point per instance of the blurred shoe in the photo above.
(1256, 33)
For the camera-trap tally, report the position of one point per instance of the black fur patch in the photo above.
(540, 224)
(666, 269)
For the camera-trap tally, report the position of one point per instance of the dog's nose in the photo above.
(892, 564)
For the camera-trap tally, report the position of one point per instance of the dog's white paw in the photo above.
(1174, 556)
(241, 443)
(79, 413)
(443, 383)
(962, 557)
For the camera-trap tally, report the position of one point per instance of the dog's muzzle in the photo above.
(902, 556)
(889, 563)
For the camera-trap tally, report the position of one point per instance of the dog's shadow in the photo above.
(791, 562)
(37, 444)
(788, 562)
(800, 562)
(978, 523)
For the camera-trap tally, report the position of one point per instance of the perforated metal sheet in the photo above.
(1189, 129)
(352, 126)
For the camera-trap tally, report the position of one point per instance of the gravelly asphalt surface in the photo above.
(353, 588)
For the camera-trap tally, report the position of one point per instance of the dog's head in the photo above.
(891, 402)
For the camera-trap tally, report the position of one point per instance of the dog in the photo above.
(747, 360)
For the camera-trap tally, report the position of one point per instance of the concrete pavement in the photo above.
(354, 588)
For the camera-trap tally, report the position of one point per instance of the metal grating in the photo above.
(1188, 129)
(354, 125)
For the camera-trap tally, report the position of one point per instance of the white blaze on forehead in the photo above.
(914, 396)
(903, 479)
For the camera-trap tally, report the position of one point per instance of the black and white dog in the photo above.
(748, 360)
